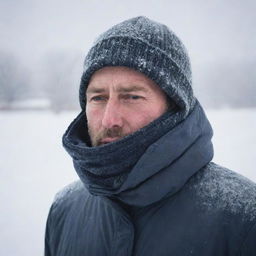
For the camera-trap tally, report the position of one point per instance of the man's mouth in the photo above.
(108, 140)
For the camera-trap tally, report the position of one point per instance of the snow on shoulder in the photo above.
(222, 189)
(70, 192)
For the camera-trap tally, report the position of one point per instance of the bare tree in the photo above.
(61, 77)
(14, 80)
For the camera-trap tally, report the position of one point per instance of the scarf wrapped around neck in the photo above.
(126, 167)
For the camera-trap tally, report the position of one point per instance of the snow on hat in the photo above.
(146, 46)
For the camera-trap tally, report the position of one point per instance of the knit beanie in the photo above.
(148, 47)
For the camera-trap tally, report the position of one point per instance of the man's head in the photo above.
(148, 49)
(119, 101)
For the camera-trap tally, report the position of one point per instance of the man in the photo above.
(142, 149)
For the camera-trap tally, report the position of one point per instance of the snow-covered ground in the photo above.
(34, 166)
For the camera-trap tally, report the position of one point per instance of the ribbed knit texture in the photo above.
(108, 165)
(148, 47)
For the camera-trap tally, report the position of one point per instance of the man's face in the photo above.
(120, 101)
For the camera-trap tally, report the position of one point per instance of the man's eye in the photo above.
(97, 98)
(132, 97)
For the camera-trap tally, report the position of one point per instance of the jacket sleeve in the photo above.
(47, 239)
(249, 245)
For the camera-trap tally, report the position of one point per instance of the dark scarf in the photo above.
(109, 169)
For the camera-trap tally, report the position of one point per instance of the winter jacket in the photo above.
(180, 205)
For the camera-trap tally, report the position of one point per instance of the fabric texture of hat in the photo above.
(149, 47)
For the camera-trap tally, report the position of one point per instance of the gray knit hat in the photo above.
(146, 46)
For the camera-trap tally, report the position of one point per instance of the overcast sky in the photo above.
(210, 29)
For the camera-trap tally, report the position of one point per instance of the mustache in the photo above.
(115, 132)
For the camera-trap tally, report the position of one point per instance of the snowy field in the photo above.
(34, 166)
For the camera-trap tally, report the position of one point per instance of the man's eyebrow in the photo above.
(133, 88)
(95, 90)
(121, 89)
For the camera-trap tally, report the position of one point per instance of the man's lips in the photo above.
(108, 140)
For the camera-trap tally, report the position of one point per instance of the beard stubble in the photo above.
(96, 138)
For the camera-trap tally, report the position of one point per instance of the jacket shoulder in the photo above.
(69, 203)
(70, 193)
(222, 189)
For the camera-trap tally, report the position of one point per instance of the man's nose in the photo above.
(112, 116)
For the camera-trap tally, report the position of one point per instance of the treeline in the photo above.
(56, 79)
(227, 83)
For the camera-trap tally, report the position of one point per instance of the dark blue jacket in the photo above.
(174, 202)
